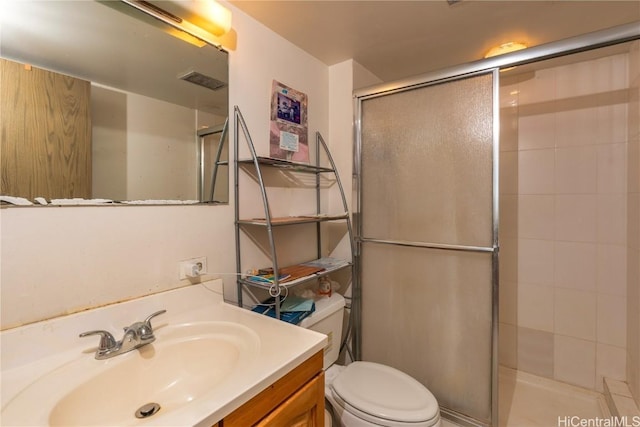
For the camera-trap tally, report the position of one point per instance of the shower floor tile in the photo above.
(530, 401)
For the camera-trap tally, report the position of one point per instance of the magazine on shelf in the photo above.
(328, 263)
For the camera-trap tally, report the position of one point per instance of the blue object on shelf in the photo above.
(292, 309)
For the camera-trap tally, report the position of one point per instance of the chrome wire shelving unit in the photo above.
(259, 163)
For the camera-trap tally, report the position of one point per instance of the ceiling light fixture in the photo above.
(505, 48)
(219, 17)
(206, 20)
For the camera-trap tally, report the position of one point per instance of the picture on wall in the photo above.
(288, 138)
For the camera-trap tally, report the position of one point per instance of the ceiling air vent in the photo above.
(202, 80)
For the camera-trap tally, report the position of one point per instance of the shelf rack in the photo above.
(269, 222)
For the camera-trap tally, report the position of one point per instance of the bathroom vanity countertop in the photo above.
(31, 352)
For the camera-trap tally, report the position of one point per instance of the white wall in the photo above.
(160, 140)
(262, 56)
(57, 260)
(563, 221)
(143, 148)
(344, 78)
(64, 259)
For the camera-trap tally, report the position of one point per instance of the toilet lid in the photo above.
(384, 392)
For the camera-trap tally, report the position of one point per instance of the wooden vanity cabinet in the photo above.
(297, 399)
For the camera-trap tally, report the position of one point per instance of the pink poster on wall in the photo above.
(288, 138)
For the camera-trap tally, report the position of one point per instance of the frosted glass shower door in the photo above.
(427, 237)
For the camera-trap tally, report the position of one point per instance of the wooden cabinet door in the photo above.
(297, 399)
(45, 133)
(304, 409)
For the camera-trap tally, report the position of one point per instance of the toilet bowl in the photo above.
(365, 393)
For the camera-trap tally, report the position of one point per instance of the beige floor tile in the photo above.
(530, 401)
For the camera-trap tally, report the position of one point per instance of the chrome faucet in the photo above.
(136, 335)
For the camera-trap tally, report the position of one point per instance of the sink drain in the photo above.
(148, 410)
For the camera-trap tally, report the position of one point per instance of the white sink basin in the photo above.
(208, 359)
(185, 362)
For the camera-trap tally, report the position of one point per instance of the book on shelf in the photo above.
(300, 271)
(287, 274)
(327, 263)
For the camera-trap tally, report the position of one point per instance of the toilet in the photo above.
(364, 393)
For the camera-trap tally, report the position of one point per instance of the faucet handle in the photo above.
(157, 313)
(147, 330)
(107, 341)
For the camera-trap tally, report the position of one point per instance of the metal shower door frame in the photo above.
(493, 249)
(597, 39)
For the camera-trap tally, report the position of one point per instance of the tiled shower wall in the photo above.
(563, 224)
(633, 226)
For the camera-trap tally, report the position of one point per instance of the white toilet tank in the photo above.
(327, 319)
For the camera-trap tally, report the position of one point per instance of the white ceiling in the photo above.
(398, 39)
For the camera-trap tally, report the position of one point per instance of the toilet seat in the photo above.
(376, 393)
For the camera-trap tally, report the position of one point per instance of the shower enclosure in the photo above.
(426, 168)
(429, 236)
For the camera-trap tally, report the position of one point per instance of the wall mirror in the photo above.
(100, 101)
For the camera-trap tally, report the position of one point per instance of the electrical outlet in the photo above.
(193, 267)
